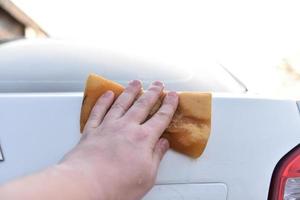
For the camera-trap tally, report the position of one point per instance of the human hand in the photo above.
(119, 152)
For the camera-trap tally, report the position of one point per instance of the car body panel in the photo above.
(249, 135)
(206, 191)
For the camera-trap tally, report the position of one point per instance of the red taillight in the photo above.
(285, 184)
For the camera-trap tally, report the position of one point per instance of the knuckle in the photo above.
(142, 102)
(94, 115)
(169, 106)
(118, 106)
(170, 101)
(131, 89)
(147, 129)
(164, 114)
(142, 136)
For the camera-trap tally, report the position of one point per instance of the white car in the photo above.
(253, 152)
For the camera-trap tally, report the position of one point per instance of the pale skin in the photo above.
(116, 159)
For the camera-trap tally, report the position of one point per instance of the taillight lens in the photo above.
(285, 184)
(292, 189)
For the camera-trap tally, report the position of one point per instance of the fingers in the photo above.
(141, 108)
(99, 110)
(125, 100)
(160, 150)
(162, 118)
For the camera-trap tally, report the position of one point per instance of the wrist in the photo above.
(80, 180)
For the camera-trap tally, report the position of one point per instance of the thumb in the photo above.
(160, 150)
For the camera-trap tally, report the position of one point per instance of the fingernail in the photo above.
(108, 93)
(158, 83)
(173, 94)
(135, 83)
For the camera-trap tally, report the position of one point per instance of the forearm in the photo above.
(57, 182)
